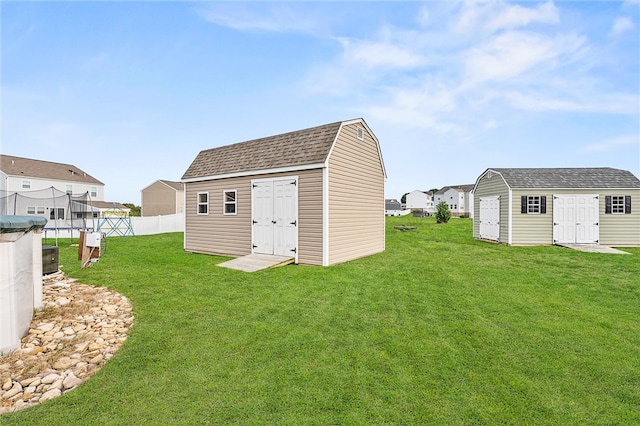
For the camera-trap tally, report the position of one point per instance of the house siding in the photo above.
(159, 199)
(489, 187)
(230, 235)
(356, 197)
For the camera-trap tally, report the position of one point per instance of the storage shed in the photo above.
(532, 206)
(316, 195)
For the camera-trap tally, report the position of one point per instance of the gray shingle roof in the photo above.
(459, 188)
(298, 148)
(569, 178)
(18, 166)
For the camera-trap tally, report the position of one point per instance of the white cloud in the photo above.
(380, 54)
(513, 53)
(518, 16)
(614, 144)
(583, 102)
(621, 25)
(268, 18)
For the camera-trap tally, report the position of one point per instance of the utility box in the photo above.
(49, 259)
(93, 239)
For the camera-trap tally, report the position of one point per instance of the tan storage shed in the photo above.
(315, 194)
(535, 206)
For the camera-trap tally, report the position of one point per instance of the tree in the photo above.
(443, 214)
(403, 199)
(135, 210)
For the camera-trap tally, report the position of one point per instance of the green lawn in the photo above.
(438, 329)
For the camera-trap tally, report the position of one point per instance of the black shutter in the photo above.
(627, 204)
(523, 204)
(543, 204)
(607, 204)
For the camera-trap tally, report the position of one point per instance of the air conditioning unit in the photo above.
(93, 239)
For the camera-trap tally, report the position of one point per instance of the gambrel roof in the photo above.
(567, 178)
(288, 150)
(29, 168)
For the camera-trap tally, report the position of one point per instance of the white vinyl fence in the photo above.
(150, 225)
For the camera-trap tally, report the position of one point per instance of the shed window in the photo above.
(360, 133)
(230, 201)
(617, 204)
(533, 204)
(203, 203)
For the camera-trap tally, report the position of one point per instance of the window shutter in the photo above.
(543, 204)
(627, 204)
(523, 204)
(607, 204)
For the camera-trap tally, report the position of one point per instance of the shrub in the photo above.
(443, 214)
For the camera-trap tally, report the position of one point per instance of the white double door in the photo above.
(490, 218)
(575, 219)
(274, 211)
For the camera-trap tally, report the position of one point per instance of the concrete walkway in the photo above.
(256, 262)
(593, 248)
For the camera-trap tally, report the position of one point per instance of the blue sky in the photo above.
(130, 92)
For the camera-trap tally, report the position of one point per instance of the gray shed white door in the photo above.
(575, 219)
(274, 211)
(490, 218)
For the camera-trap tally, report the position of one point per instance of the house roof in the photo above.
(298, 148)
(178, 186)
(568, 178)
(29, 168)
(459, 188)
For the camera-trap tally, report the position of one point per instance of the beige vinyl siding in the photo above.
(620, 229)
(614, 229)
(356, 197)
(491, 187)
(230, 235)
(158, 199)
(532, 229)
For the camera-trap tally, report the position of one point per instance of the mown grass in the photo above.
(438, 329)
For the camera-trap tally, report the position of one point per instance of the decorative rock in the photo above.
(50, 394)
(50, 378)
(97, 321)
(71, 381)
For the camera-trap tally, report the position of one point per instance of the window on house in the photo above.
(230, 201)
(203, 203)
(533, 204)
(94, 191)
(69, 189)
(35, 210)
(57, 213)
(360, 133)
(26, 184)
(617, 204)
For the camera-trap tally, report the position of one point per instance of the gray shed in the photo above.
(531, 206)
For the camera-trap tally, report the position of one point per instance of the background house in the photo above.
(420, 200)
(459, 198)
(163, 197)
(26, 174)
(557, 206)
(315, 194)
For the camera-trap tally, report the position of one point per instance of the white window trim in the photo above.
(530, 204)
(617, 205)
(225, 202)
(198, 203)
